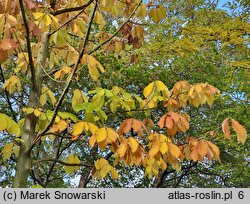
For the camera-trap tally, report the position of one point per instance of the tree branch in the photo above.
(109, 39)
(185, 173)
(67, 22)
(64, 163)
(26, 26)
(72, 9)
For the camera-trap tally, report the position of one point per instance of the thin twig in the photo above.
(67, 22)
(66, 10)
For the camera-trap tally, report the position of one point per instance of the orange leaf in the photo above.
(169, 122)
(194, 155)
(7, 44)
(225, 128)
(162, 120)
(215, 150)
(240, 131)
(202, 148)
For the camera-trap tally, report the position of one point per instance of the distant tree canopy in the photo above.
(124, 93)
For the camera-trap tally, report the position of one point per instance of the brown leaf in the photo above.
(240, 131)
(226, 129)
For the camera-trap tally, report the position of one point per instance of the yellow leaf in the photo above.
(78, 128)
(133, 143)
(78, 99)
(92, 65)
(160, 85)
(3, 122)
(240, 131)
(174, 150)
(7, 150)
(6, 123)
(37, 112)
(194, 155)
(226, 129)
(148, 90)
(154, 150)
(92, 140)
(12, 84)
(111, 135)
(62, 125)
(100, 163)
(47, 20)
(163, 148)
(101, 134)
(114, 173)
(38, 15)
(28, 110)
(72, 159)
(99, 20)
(105, 170)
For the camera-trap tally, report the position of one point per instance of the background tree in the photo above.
(84, 87)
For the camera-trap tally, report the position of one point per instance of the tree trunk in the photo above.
(23, 167)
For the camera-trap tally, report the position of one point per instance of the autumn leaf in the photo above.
(240, 131)
(226, 129)
(215, 150)
(131, 124)
(133, 143)
(7, 150)
(102, 168)
(122, 148)
(157, 14)
(81, 126)
(13, 84)
(6, 123)
(174, 150)
(7, 44)
(72, 159)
